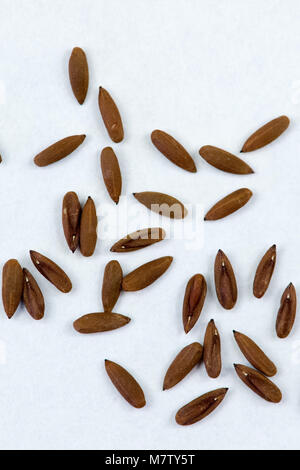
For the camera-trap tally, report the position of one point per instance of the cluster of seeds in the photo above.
(80, 229)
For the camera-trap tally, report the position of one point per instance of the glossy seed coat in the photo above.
(146, 274)
(71, 214)
(195, 294)
(112, 285)
(183, 363)
(173, 150)
(32, 296)
(224, 161)
(225, 282)
(162, 204)
(266, 134)
(138, 240)
(212, 350)
(126, 385)
(59, 150)
(88, 228)
(51, 271)
(257, 382)
(254, 354)
(110, 115)
(100, 322)
(12, 286)
(229, 204)
(111, 173)
(79, 74)
(200, 407)
(287, 312)
(264, 272)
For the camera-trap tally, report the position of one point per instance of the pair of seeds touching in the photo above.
(173, 150)
(138, 240)
(225, 282)
(80, 226)
(111, 173)
(195, 294)
(126, 385)
(162, 204)
(18, 284)
(201, 407)
(254, 354)
(258, 383)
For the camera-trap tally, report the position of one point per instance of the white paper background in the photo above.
(208, 73)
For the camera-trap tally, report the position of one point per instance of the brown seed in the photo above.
(173, 150)
(287, 312)
(258, 383)
(146, 274)
(112, 284)
(212, 350)
(126, 385)
(264, 272)
(99, 322)
(88, 228)
(254, 354)
(111, 116)
(225, 282)
(162, 204)
(194, 298)
(229, 204)
(32, 296)
(71, 213)
(200, 407)
(79, 74)
(266, 134)
(224, 161)
(59, 150)
(139, 239)
(183, 363)
(111, 173)
(51, 271)
(12, 286)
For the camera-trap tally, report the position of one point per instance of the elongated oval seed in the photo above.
(88, 228)
(173, 150)
(258, 383)
(162, 204)
(139, 239)
(212, 350)
(146, 274)
(183, 363)
(229, 204)
(111, 173)
(51, 271)
(12, 286)
(71, 213)
(193, 302)
(126, 385)
(266, 134)
(59, 150)
(111, 116)
(200, 407)
(79, 74)
(264, 272)
(32, 296)
(254, 354)
(287, 312)
(99, 322)
(112, 285)
(224, 161)
(225, 282)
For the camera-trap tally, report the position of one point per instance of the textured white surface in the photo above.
(208, 73)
